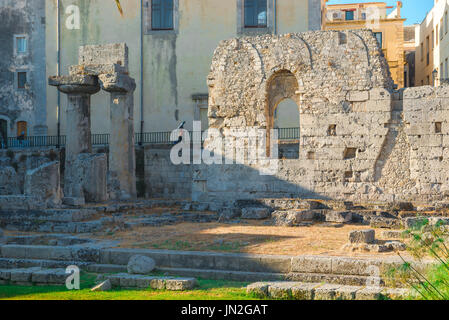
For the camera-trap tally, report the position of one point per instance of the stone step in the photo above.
(47, 239)
(8, 263)
(11, 263)
(125, 280)
(58, 227)
(48, 215)
(106, 268)
(33, 276)
(55, 253)
(345, 270)
(322, 291)
(58, 276)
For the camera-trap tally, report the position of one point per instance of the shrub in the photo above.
(426, 240)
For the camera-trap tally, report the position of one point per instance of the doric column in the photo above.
(122, 163)
(79, 89)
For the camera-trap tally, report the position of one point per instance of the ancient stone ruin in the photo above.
(86, 176)
(367, 155)
(359, 139)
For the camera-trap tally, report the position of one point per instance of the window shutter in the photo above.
(250, 13)
(261, 17)
(167, 14)
(156, 13)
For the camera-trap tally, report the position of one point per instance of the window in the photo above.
(363, 15)
(3, 133)
(255, 13)
(445, 22)
(20, 44)
(445, 68)
(436, 39)
(379, 38)
(433, 39)
(428, 50)
(349, 15)
(21, 80)
(422, 51)
(22, 129)
(441, 71)
(441, 29)
(162, 14)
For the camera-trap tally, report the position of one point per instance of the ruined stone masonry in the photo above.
(86, 177)
(359, 139)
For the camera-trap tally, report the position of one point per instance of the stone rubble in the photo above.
(362, 236)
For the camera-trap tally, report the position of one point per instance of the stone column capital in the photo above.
(117, 83)
(75, 84)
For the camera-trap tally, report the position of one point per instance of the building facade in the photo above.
(410, 52)
(171, 44)
(22, 69)
(384, 21)
(432, 42)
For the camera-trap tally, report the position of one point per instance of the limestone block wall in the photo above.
(14, 165)
(164, 179)
(359, 139)
(426, 116)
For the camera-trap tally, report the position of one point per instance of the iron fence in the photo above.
(103, 139)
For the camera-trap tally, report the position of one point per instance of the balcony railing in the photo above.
(103, 139)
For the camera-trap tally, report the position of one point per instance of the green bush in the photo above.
(426, 240)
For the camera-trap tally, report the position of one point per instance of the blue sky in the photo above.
(412, 10)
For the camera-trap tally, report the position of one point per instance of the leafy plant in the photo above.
(426, 240)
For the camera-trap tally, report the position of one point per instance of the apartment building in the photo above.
(432, 43)
(386, 23)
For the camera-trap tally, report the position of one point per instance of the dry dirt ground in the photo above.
(253, 237)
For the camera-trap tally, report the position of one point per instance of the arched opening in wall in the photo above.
(286, 121)
(286, 115)
(282, 113)
(3, 133)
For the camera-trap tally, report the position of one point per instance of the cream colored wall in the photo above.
(440, 51)
(291, 16)
(175, 65)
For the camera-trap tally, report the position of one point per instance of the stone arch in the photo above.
(365, 46)
(291, 53)
(286, 114)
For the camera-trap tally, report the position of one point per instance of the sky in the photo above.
(412, 10)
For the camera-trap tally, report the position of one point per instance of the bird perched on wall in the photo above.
(119, 6)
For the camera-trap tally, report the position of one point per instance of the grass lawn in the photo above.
(206, 290)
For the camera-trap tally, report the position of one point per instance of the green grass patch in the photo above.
(206, 290)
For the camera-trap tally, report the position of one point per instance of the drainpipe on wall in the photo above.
(58, 69)
(142, 121)
(274, 17)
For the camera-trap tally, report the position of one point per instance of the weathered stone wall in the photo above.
(359, 141)
(25, 18)
(14, 163)
(163, 179)
(426, 116)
